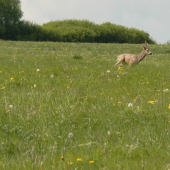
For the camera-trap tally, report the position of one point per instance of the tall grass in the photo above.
(65, 106)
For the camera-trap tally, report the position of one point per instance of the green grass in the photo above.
(59, 99)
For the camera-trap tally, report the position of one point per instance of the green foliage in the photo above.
(53, 105)
(85, 31)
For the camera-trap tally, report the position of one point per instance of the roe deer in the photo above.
(134, 58)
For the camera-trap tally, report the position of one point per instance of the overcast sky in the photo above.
(152, 16)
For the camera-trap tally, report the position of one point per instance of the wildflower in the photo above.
(169, 106)
(142, 83)
(38, 70)
(151, 102)
(71, 163)
(108, 71)
(130, 105)
(166, 90)
(62, 157)
(134, 100)
(109, 133)
(2, 88)
(127, 94)
(0, 71)
(119, 102)
(68, 87)
(75, 68)
(101, 94)
(12, 78)
(120, 72)
(35, 85)
(91, 162)
(117, 75)
(79, 159)
(70, 135)
(11, 106)
(52, 76)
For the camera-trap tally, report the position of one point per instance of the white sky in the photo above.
(152, 16)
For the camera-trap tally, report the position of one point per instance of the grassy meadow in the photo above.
(66, 106)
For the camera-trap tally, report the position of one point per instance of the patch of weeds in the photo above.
(77, 57)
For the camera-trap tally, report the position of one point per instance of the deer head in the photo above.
(146, 49)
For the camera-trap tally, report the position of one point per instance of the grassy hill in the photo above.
(65, 106)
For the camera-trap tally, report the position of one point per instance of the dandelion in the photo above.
(2, 88)
(130, 105)
(79, 159)
(169, 106)
(108, 71)
(38, 70)
(151, 102)
(0, 71)
(75, 68)
(11, 106)
(52, 76)
(71, 163)
(12, 78)
(35, 85)
(101, 94)
(91, 162)
(119, 102)
(62, 157)
(68, 87)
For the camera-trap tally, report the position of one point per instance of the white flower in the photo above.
(166, 90)
(130, 105)
(108, 71)
(52, 76)
(109, 133)
(11, 106)
(70, 135)
(38, 69)
(35, 85)
(117, 75)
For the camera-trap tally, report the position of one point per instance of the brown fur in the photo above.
(134, 58)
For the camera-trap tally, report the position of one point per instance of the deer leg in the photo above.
(119, 60)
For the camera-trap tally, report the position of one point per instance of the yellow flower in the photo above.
(151, 102)
(169, 106)
(71, 163)
(75, 68)
(91, 162)
(101, 94)
(119, 102)
(12, 78)
(0, 71)
(62, 157)
(79, 159)
(2, 88)
(68, 87)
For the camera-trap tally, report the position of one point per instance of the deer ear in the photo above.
(144, 47)
(146, 44)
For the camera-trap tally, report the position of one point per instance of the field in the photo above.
(66, 106)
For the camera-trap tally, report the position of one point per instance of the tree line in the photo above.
(13, 28)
